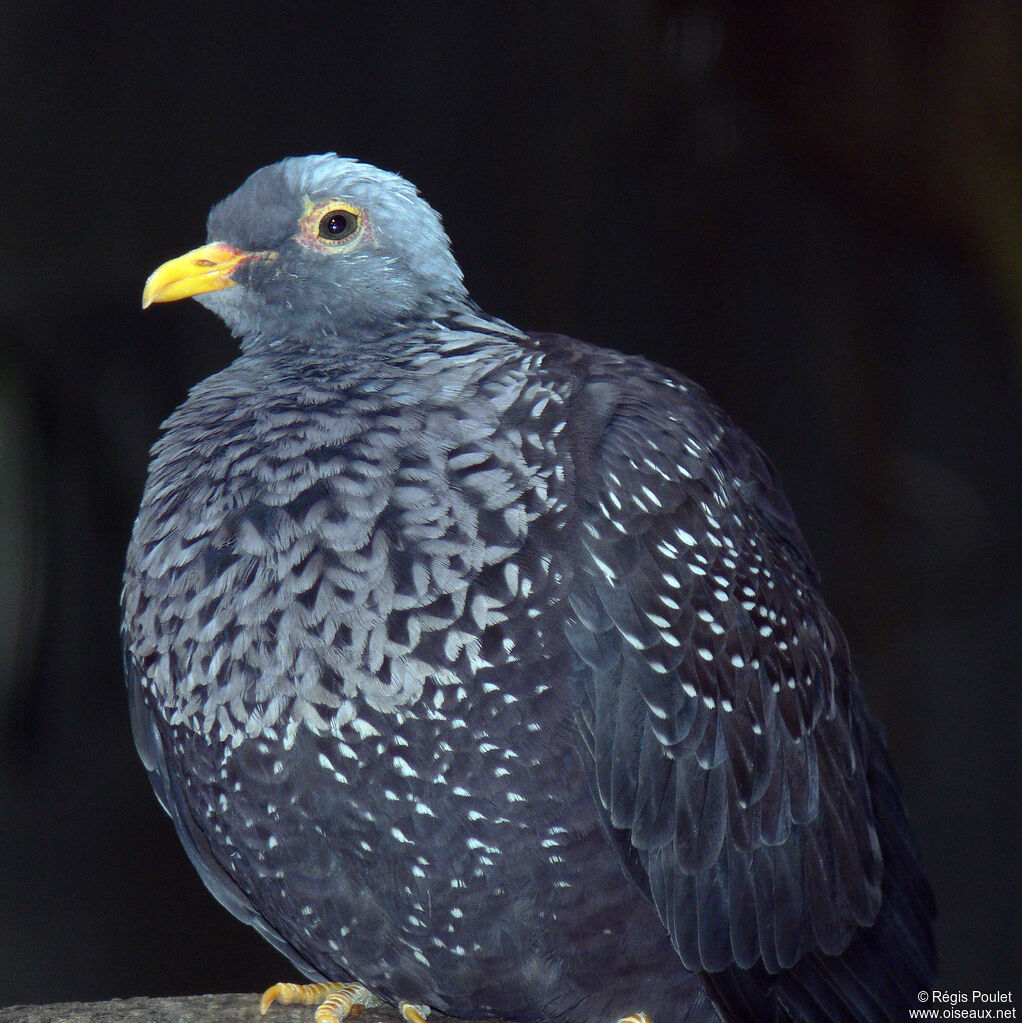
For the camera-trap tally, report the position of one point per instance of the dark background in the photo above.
(815, 209)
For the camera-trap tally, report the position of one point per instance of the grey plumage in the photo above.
(404, 274)
(490, 669)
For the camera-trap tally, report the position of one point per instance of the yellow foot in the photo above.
(334, 1002)
(413, 1013)
(636, 1017)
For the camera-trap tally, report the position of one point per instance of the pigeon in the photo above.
(487, 672)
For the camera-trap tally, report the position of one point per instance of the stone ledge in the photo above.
(193, 1009)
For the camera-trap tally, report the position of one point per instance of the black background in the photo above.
(815, 209)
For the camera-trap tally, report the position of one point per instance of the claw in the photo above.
(413, 1013)
(334, 1002)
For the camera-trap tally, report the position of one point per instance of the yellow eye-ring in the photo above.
(333, 225)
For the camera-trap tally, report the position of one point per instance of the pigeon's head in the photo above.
(318, 248)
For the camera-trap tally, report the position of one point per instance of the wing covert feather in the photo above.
(727, 729)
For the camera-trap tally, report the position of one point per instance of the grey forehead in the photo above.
(264, 210)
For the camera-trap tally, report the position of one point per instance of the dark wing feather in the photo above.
(732, 751)
(151, 747)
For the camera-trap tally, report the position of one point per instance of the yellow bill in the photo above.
(208, 268)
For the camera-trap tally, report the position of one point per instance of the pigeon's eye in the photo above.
(336, 225)
(333, 225)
